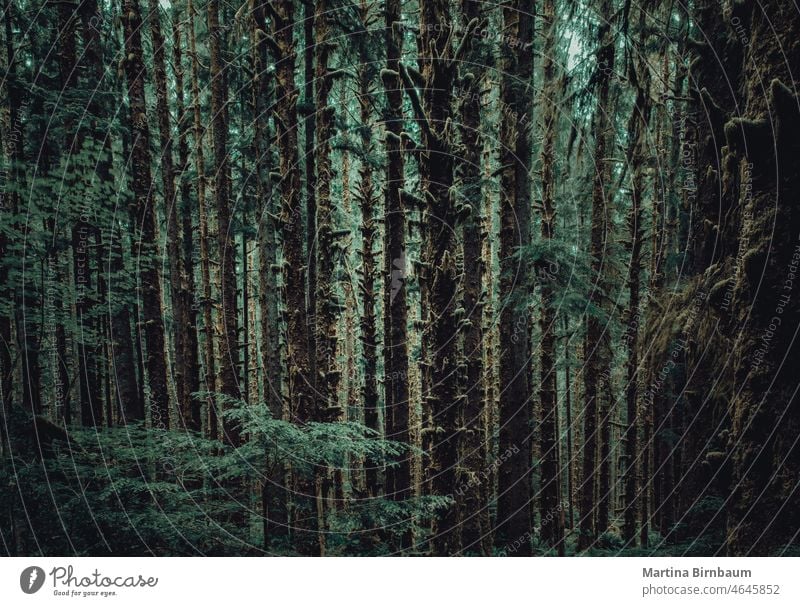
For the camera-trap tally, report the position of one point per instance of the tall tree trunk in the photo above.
(765, 410)
(84, 231)
(514, 522)
(367, 198)
(275, 493)
(398, 477)
(309, 109)
(596, 339)
(190, 413)
(181, 323)
(127, 403)
(209, 360)
(8, 208)
(637, 129)
(327, 301)
(301, 401)
(438, 64)
(470, 495)
(326, 314)
(569, 432)
(552, 530)
(228, 348)
(145, 247)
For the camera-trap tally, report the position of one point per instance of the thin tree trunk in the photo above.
(327, 301)
(209, 360)
(191, 414)
(145, 247)
(398, 478)
(302, 406)
(309, 109)
(367, 198)
(228, 348)
(596, 348)
(552, 530)
(638, 130)
(275, 493)
(8, 208)
(568, 414)
(181, 323)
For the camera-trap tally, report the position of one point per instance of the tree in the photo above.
(368, 201)
(472, 502)
(228, 349)
(182, 362)
(434, 113)
(145, 247)
(209, 360)
(395, 328)
(514, 521)
(638, 122)
(430, 351)
(551, 507)
(596, 417)
(275, 495)
(301, 401)
(766, 457)
(190, 410)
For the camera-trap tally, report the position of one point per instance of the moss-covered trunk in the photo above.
(765, 410)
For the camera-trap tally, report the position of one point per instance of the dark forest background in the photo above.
(348, 277)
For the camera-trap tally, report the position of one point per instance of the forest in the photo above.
(399, 278)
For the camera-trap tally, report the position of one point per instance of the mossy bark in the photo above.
(765, 409)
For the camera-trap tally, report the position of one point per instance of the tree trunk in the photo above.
(398, 478)
(326, 314)
(145, 247)
(181, 323)
(367, 198)
(765, 410)
(637, 127)
(302, 406)
(552, 530)
(596, 338)
(439, 257)
(209, 360)
(122, 359)
(308, 108)
(514, 521)
(275, 492)
(228, 348)
(190, 412)
(470, 495)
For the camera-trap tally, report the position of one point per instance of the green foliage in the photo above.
(559, 264)
(134, 490)
(366, 527)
